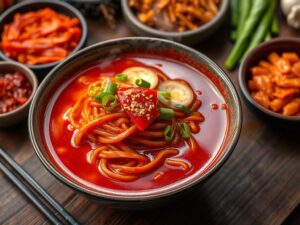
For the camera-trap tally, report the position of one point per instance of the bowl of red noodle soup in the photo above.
(135, 122)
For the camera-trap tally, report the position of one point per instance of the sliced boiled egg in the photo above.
(180, 92)
(134, 73)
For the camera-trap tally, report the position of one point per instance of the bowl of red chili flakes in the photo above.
(17, 86)
(41, 34)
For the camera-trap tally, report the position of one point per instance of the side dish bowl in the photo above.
(188, 37)
(279, 45)
(64, 73)
(20, 113)
(59, 6)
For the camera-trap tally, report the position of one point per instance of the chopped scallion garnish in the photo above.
(111, 88)
(165, 94)
(142, 83)
(163, 99)
(94, 91)
(121, 77)
(166, 113)
(183, 109)
(169, 133)
(185, 130)
(101, 95)
(109, 102)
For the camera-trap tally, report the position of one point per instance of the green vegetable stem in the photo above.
(257, 10)
(268, 36)
(275, 24)
(244, 10)
(166, 113)
(263, 27)
(234, 18)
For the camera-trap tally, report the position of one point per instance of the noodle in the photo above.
(142, 169)
(120, 144)
(178, 163)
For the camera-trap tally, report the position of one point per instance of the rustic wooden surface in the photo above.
(259, 184)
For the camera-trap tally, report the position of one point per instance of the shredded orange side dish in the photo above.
(175, 15)
(275, 83)
(40, 37)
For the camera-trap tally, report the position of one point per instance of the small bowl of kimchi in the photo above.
(269, 79)
(40, 34)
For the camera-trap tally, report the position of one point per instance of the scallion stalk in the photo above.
(101, 95)
(257, 10)
(109, 102)
(184, 109)
(185, 130)
(275, 25)
(262, 28)
(163, 99)
(94, 91)
(169, 133)
(121, 77)
(142, 83)
(166, 113)
(165, 94)
(111, 88)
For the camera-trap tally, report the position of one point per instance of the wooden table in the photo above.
(259, 184)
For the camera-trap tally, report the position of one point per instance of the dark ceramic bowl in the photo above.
(188, 37)
(59, 6)
(64, 72)
(279, 45)
(19, 114)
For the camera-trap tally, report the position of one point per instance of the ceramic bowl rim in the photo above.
(149, 197)
(242, 76)
(67, 6)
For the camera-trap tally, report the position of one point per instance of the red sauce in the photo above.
(72, 161)
(15, 89)
(214, 106)
(224, 106)
(198, 92)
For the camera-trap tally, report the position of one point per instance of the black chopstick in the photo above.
(36, 187)
(29, 195)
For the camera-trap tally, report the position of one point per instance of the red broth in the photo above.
(73, 161)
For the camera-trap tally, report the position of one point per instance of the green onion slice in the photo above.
(165, 94)
(142, 83)
(183, 109)
(111, 88)
(121, 77)
(94, 91)
(109, 102)
(169, 133)
(100, 96)
(185, 130)
(163, 99)
(166, 113)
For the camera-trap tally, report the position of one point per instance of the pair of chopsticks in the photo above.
(34, 191)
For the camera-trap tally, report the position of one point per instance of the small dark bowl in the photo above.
(188, 37)
(279, 45)
(64, 72)
(19, 114)
(59, 6)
